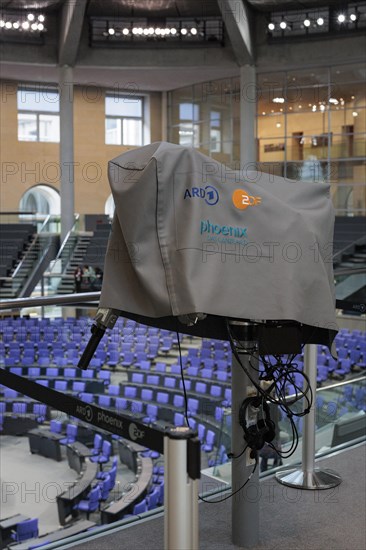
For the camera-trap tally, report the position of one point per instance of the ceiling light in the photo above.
(140, 30)
(278, 125)
(355, 113)
(151, 30)
(353, 17)
(333, 101)
(16, 25)
(183, 31)
(166, 31)
(173, 31)
(193, 30)
(30, 17)
(322, 107)
(271, 26)
(134, 30)
(125, 31)
(283, 25)
(111, 31)
(320, 21)
(8, 25)
(307, 23)
(34, 26)
(146, 32)
(341, 18)
(40, 26)
(2, 23)
(278, 100)
(41, 18)
(25, 25)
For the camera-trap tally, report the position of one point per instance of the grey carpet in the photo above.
(290, 519)
(30, 483)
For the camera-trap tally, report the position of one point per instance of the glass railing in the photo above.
(61, 331)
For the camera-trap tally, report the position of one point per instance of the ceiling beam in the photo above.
(238, 22)
(72, 20)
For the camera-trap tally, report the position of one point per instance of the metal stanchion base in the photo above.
(317, 479)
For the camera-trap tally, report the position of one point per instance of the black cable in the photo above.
(235, 492)
(183, 382)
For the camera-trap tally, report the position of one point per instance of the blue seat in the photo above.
(130, 392)
(209, 442)
(91, 503)
(170, 382)
(113, 389)
(104, 401)
(105, 454)
(60, 385)
(153, 498)
(88, 373)
(178, 419)
(19, 409)
(178, 401)
(140, 507)
(78, 387)
(86, 397)
(162, 398)
(137, 378)
(152, 413)
(71, 433)
(25, 530)
(146, 394)
(97, 444)
(105, 375)
(56, 426)
(40, 412)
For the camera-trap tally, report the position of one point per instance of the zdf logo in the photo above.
(242, 199)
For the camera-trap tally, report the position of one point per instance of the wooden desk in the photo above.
(125, 504)
(60, 534)
(67, 500)
(7, 525)
(45, 443)
(76, 454)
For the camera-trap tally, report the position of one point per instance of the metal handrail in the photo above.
(77, 216)
(20, 264)
(343, 250)
(56, 299)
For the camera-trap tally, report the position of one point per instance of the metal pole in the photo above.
(309, 477)
(245, 503)
(180, 494)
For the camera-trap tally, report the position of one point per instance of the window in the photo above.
(124, 120)
(188, 127)
(38, 114)
(215, 132)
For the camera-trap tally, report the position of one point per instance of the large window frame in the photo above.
(122, 120)
(48, 98)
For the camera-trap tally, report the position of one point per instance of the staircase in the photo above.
(80, 244)
(28, 270)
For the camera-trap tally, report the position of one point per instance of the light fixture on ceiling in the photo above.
(111, 31)
(353, 17)
(271, 26)
(320, 21)
(307, 22)
(283, 25)
(341, 18)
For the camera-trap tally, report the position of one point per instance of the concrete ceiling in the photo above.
(154, 70)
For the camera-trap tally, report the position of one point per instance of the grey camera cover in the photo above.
(189, 236)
